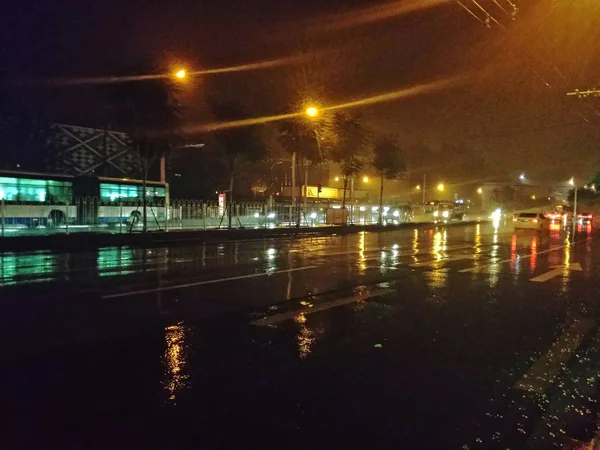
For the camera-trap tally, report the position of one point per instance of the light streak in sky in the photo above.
(374, 14)
(413, 91)
(259, 65)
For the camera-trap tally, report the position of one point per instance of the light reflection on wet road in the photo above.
(411, 339)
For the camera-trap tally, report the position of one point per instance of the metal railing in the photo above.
(89, 214)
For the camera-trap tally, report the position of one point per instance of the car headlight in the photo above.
(435, 214)
(446, 214)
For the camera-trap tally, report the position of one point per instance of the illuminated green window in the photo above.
(37, 191)
(112, 192)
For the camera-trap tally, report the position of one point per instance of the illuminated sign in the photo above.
(221, 203)
(326, 192)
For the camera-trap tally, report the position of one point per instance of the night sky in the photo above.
(510, 105)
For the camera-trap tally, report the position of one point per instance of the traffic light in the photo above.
(319, 188)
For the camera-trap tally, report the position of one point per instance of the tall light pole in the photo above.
(311, 112)
(572, 183)
(179, 75)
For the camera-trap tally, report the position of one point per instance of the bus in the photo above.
(29, 199)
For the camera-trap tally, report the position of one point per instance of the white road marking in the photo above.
(200, 283)
(504, 261)
(271, 320)
(443, 260)
(544, 370)
(555, 272)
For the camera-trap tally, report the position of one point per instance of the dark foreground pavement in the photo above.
(429, 338)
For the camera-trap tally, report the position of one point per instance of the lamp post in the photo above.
(572, 183)
(312, 112)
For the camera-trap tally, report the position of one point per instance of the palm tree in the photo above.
(388, 164)
(351, 141)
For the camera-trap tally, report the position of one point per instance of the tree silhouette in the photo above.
(148, 112)
(351, 139)
(388, 163)
(238, 144)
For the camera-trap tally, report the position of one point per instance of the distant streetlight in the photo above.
(418, 187)
(181, 74)
(441, 187)
(365, 179)
(312, 111)
(522, 177)
(572, 181)
(533, 197)
(337, 178)
(480, 191)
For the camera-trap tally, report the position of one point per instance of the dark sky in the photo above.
(510, 105)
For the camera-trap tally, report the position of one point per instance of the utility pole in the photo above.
(574, 210)
(305, 184)
(579, 94)
(352, 200)
(293, 186)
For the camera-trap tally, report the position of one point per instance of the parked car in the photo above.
(531, 221)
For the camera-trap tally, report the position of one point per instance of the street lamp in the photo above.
(522, 177)
(418, 187)
(441, 187)
(312, 111)
(572, 183)
(480, 191)
(337, 178)
(365, 179)
(181, 74)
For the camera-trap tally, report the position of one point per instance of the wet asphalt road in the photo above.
(432, 338)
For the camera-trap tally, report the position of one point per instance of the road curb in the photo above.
(90, 241)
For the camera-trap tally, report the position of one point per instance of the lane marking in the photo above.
(271, 320)
(383, 249)
(545, 369)
(555, 272)
(200, 283)
(444, 260)
(504, 261)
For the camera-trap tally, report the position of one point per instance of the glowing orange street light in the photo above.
(480, 191)
(441, 187)
(312, 111)
(181, 74)
(365, 179)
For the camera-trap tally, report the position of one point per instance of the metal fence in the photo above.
(89, 214)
